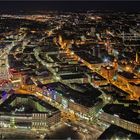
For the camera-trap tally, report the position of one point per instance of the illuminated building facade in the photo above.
(73, 100)
(28, 112)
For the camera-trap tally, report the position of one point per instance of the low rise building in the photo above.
(83, 103)
(121, 116)
(27, 111)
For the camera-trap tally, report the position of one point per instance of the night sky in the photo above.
(129, 6)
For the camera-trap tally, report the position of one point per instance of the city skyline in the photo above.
(70, 70)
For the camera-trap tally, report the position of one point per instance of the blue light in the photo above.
(105, 60)
(4, 95)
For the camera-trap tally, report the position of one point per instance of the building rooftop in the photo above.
(73, 76)
(128, 75)
(21, 103)
(88, 57)
(114, 91)
(87, 98)
(55, 58)
(135, 84)
(96, 76)
(123, 112)
(108, 67)
(114, 132)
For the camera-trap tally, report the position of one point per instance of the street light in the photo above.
(72, 53)
(57, 78)
(105, 59)
(127, 68)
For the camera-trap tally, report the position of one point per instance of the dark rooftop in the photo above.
(96, 76)
(117, 132)
(89, 58)
(128, 75)
(73, 76)
(87, 98)
(123, 112)
(135, 84)
(8, 105)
